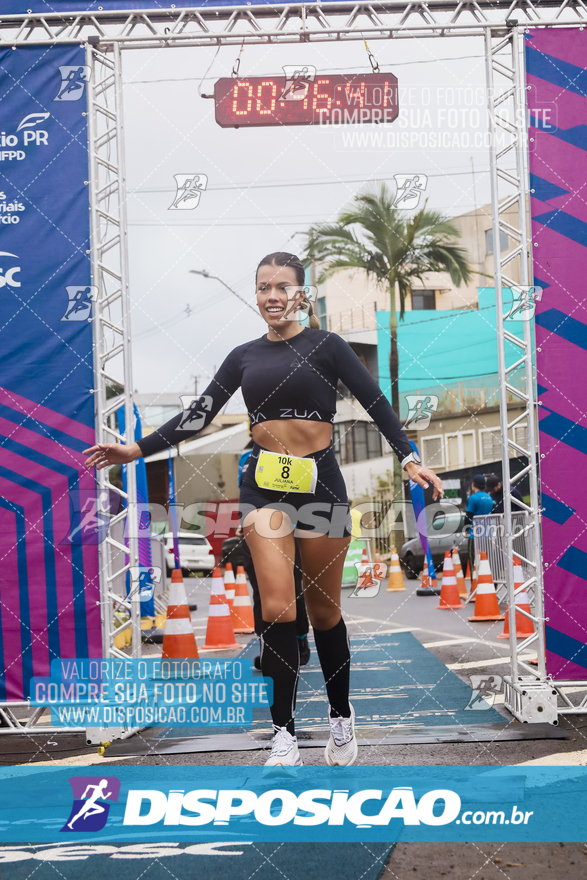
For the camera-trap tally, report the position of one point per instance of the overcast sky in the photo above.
(244, 213)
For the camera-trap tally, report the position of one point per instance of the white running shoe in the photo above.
(284, 751)
(342, 748)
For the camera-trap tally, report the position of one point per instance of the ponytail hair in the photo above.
(280, 258)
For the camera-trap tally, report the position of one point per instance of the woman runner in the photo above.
(289, 377)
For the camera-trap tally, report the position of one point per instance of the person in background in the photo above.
(495, 488)
(302, 623)
(479, 503)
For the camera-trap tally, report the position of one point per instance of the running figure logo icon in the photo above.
(409, 190)
(485, 688)
(297, 82)
(79, 302)
(90, 802)
(189, 189)
(74, 79)
(420, 410)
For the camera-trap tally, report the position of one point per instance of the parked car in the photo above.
(232, 551)
(195, 552)
(445, 532)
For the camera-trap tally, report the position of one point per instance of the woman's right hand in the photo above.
(106, 454)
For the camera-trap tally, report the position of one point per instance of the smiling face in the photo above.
(272, 284)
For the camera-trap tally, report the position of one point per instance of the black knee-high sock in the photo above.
(280, 660)
(334, 654)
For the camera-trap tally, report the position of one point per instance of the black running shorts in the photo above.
(326, 511)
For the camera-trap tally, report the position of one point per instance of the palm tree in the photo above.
(393, 248)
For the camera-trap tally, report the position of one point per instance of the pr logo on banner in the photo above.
(90, 802)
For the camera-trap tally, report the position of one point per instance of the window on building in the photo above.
(423, 299)
(432, 452)
(503, 241)
(452, 451)
(320, 312)
(154, 416)
(521, 436)
(356, 441)
(468, 441)
(491, 445)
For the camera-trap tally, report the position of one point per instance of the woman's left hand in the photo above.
(424, 476)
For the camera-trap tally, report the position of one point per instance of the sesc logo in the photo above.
(7, 278)
(90, 802)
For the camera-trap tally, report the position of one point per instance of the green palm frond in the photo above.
(387, 244)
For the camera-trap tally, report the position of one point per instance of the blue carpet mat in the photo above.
(395, 683)
(160, 861)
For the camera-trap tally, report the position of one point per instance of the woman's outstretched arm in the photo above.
(186, 424)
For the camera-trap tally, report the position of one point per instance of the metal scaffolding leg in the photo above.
(529, 696)
(112, 350)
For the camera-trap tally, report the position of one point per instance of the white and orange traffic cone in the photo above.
(449, 591)
(179, 640)
(456, 561)
(242, 609)
(396, 581)
(429, 586)
(486, 604)
(524, 626)
(468, 574)
(229, 583)
(219, 632)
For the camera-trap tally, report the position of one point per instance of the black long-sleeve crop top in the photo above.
(294, 378)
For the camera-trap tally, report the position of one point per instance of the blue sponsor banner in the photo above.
(298, 804)
(49, 591)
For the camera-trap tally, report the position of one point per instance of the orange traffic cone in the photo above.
(468, 574)
(486, 604)
(524, 626)
(429, 586)
(219, 632)
(242, 610)
(229, 583)
(396, 581)
(449, 592)
(456, 561)
(179, 640)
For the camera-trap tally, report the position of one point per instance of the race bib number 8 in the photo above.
(286, 473)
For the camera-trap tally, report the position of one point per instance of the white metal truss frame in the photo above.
(111, 320)
(527, 685)
(105, 34)
(286, 22)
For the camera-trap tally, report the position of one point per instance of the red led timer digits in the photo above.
(329, 100)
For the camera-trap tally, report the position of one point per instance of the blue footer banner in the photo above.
(297, 804)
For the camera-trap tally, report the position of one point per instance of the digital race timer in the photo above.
(323, 100)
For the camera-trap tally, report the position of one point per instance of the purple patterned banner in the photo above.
(556, 67)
